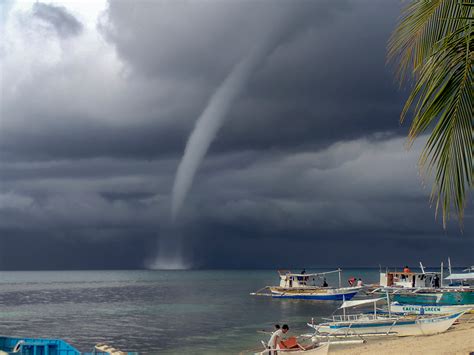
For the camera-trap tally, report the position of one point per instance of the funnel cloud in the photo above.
(208, 125)
(213, 117)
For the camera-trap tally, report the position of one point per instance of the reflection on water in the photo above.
(152, 311)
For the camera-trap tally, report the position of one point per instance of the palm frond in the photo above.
(422, 24)
(441, 53)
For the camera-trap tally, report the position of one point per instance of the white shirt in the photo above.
(278, 333)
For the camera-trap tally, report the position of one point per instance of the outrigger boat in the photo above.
(303, 286)
(292, 346)
(457, 296)
(37, 346)
(464, 279)
(407, 279)
(438, 297)
(458, 292)
(383, 324)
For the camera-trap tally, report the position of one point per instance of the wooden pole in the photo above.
(441, 283)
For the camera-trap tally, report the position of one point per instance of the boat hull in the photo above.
(396, 307)
(320, 350)
(317, 294)
(18, 345)
(436, 298)
(391, 326)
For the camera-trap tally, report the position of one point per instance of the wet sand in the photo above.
(457, 340)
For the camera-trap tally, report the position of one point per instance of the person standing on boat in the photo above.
(359, 282)
(406, 269)
(276, 338)
(304, 278)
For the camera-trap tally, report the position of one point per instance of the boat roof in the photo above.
(289, 273)
(348, 304)
(461, 276)
(414, 273)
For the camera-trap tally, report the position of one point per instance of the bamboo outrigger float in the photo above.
(303, 286)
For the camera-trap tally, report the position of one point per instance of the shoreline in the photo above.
(457, 340)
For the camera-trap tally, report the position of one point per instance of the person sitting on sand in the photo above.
(276, 337)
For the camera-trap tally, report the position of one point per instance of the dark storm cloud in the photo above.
(326, 81)
(309, 160)
(65, 24)
(358, 197)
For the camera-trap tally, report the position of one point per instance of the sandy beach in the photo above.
(457, 340)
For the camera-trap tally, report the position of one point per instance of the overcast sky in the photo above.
(309, 169)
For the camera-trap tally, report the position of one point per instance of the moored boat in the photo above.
(18, 345)
(465, 278)
(444, 296)
(292, 346)
(304, 286)
(318, 350)
(408, 279)
(383, 324)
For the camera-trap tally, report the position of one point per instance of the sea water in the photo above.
(166, 312)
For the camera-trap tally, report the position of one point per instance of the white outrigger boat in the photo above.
(303, 286)
(383, 324)
(407, 279)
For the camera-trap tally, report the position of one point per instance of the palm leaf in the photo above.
(435, 39)
(423, 23)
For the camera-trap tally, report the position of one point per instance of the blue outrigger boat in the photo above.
(303, 286)
(38, 346)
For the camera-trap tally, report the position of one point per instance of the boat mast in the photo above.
(343, 309)
(441, 283)
(388, 304)
(340, 284)
(422, 268)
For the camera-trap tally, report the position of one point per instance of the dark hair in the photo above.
(285, 326)
(277, 326)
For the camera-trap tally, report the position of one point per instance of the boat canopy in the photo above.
(348, 304)
(462, 276)
(289, 273)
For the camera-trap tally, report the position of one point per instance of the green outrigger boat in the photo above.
(460, 291)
